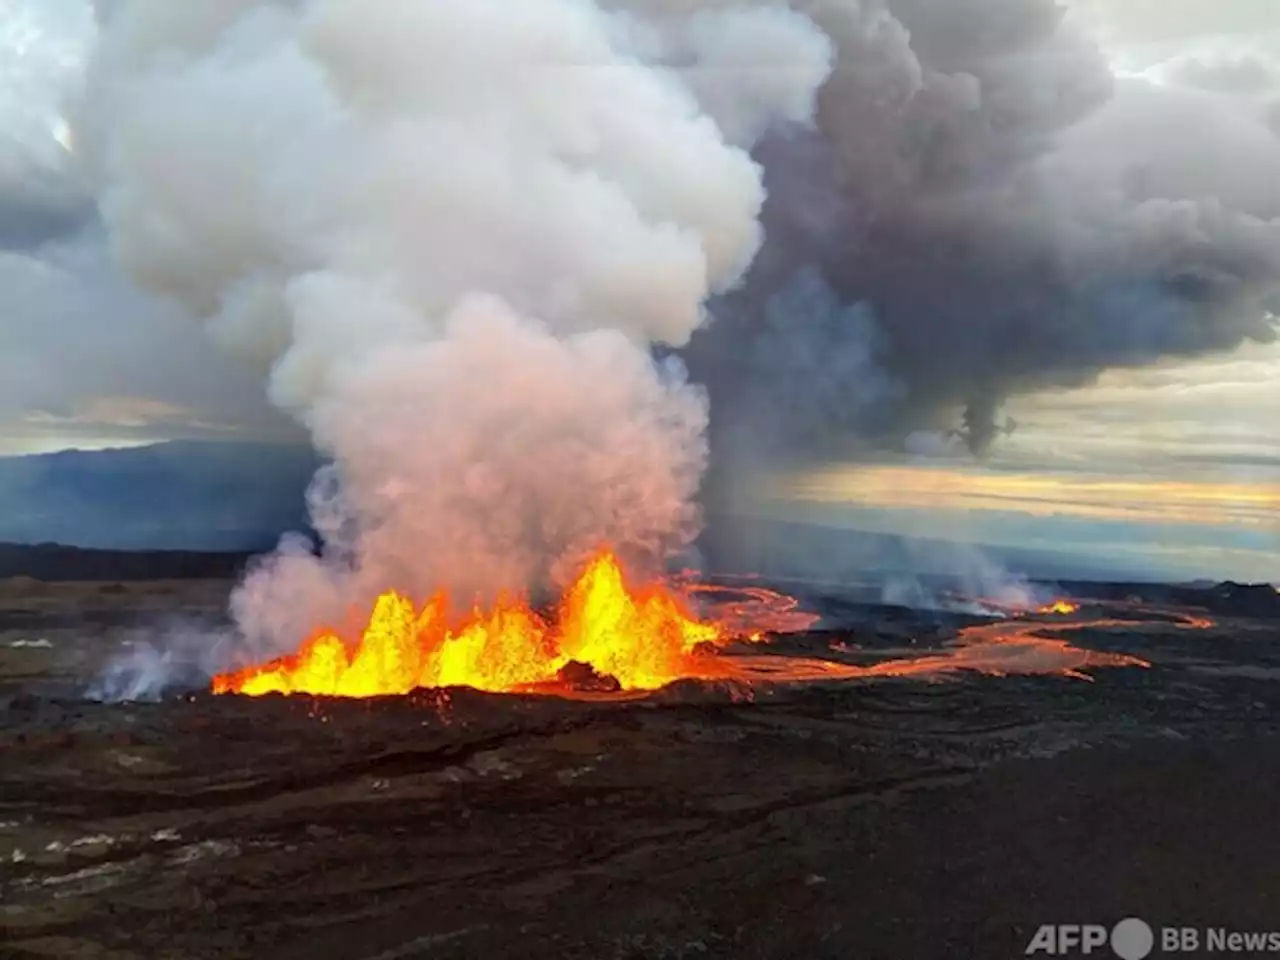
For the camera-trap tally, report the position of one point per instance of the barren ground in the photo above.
(891, 818)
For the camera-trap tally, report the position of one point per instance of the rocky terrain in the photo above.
(895, 818)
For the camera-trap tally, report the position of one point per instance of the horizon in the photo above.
(893, 506)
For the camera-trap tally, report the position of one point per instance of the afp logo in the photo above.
(1130, 939)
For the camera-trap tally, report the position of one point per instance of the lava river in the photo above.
(609, 636)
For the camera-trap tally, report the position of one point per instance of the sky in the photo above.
(1178, 463)
(1176, 466)
(78, 345)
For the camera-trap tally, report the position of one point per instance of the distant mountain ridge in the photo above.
(55, 563)
(237, 498)
(183, 495)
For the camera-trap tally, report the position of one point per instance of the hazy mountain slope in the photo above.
(181, 495)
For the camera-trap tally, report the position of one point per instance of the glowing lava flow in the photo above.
(609, 637)
(987, 608)
(644, 638)
(1008, 648)
(1060, 607)
(752, 612)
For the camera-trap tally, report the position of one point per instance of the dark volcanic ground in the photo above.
(883, 819)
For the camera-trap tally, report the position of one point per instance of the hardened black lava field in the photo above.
(887, 817)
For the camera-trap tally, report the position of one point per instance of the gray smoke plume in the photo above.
(994, 212)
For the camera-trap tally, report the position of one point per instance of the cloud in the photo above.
(1211, 420)
(1239, 72)
(1252, 506)
(41, 49)
(995, 213)
(85, 355)
(79, 345)
(1146, 531)
(1150, 21)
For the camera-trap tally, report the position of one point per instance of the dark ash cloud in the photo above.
(993, 212)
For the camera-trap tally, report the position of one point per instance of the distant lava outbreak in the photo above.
(985, 606)
(610, 636)
(1061, 607)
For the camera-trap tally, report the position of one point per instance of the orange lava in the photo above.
(1009, 648)
(645, 638)
(752, 612)
(1060, 607)
(642, 637)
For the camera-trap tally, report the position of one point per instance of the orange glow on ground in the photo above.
(612, 639)
(1060, 607)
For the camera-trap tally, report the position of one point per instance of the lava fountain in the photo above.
(642, 637)
(608, 635)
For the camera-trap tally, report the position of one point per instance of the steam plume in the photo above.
(448, 233)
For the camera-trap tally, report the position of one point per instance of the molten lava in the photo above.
(612, 638)
(642, 637)
(1060, 607)
(752, 612)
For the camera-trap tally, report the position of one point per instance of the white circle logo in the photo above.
(1132, 939)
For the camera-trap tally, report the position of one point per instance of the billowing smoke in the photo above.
(991, 211)
(451, 235)
(448, 233)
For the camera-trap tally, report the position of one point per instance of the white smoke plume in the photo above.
(448, 234)
(977, 583)
(177, 656)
